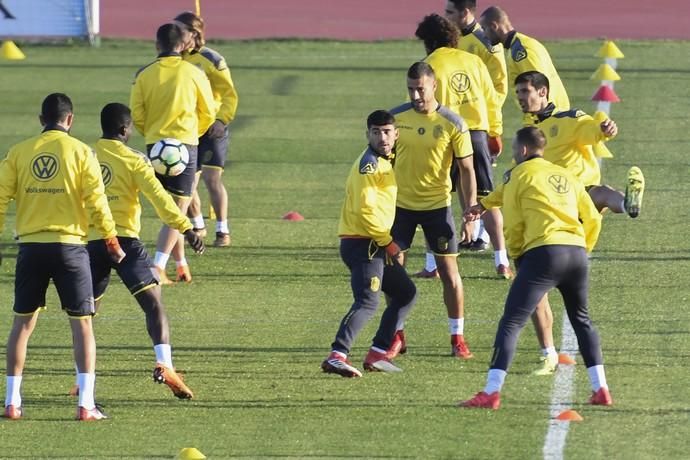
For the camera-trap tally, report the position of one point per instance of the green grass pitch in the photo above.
(253, 327)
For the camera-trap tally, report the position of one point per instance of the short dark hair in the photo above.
(168, 36)
(114, 117)
(436, 32)
(55, 108)
(534, 78)
(462, 4)
(380, 118)
(494, 14)
(420, 69)
(531, 137)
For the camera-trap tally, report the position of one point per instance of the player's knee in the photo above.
(449, 278)
(150, 300)
(408, 294)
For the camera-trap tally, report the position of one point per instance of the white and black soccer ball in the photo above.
(169, 157)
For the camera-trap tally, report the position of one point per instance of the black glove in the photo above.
(194, 241)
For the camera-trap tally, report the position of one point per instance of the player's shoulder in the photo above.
(368, 162)
(466, 57)
(77, 144)
(518, 49)
(453, 118)
(480, 36)
(508, 174)
(136, 155)
(572, 113)
(401, 109)
(214, 57)
(144, 68)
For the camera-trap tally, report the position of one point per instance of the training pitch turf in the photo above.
(253, 327)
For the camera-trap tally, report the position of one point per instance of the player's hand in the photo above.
(115, 252)
(217, 130)
(467, 232)
(609, 128)
(393, 250)
(194, 241)
(495, 146)
(473, 212)
(392, 253)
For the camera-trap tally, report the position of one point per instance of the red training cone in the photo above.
(606, 94)
(293, 216)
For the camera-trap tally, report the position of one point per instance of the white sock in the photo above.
(222, 226)
(597, 377)
(87, 384)
(163, 354)
(160, 259)
(623, 205)
(501, 258)
(378, 350)
(12, 395)
(181, 263)
(430, 262)
(456, 326)
(400, 326)
(494, 381)
(477, 230)
(548, 351)
(198, 221)
(483, 235)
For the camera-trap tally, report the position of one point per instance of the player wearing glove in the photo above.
(368, 250)
(195, 242)
(56, 183)
(126, 173)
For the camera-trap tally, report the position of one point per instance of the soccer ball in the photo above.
(169, 157)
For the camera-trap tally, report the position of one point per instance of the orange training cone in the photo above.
(569, 416)
(11, 52)
(293, 216)
(566, 359)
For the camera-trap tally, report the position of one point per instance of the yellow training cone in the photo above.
(11, 52)
(190, 453)
(605, 73)
(609, 50)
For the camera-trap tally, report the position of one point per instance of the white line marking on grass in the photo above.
(561, 397)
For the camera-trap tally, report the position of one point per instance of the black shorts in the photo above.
(136, 270)
(483, 171)
(182, 184)
(213, 151)
(438, 226)
(66, 264)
